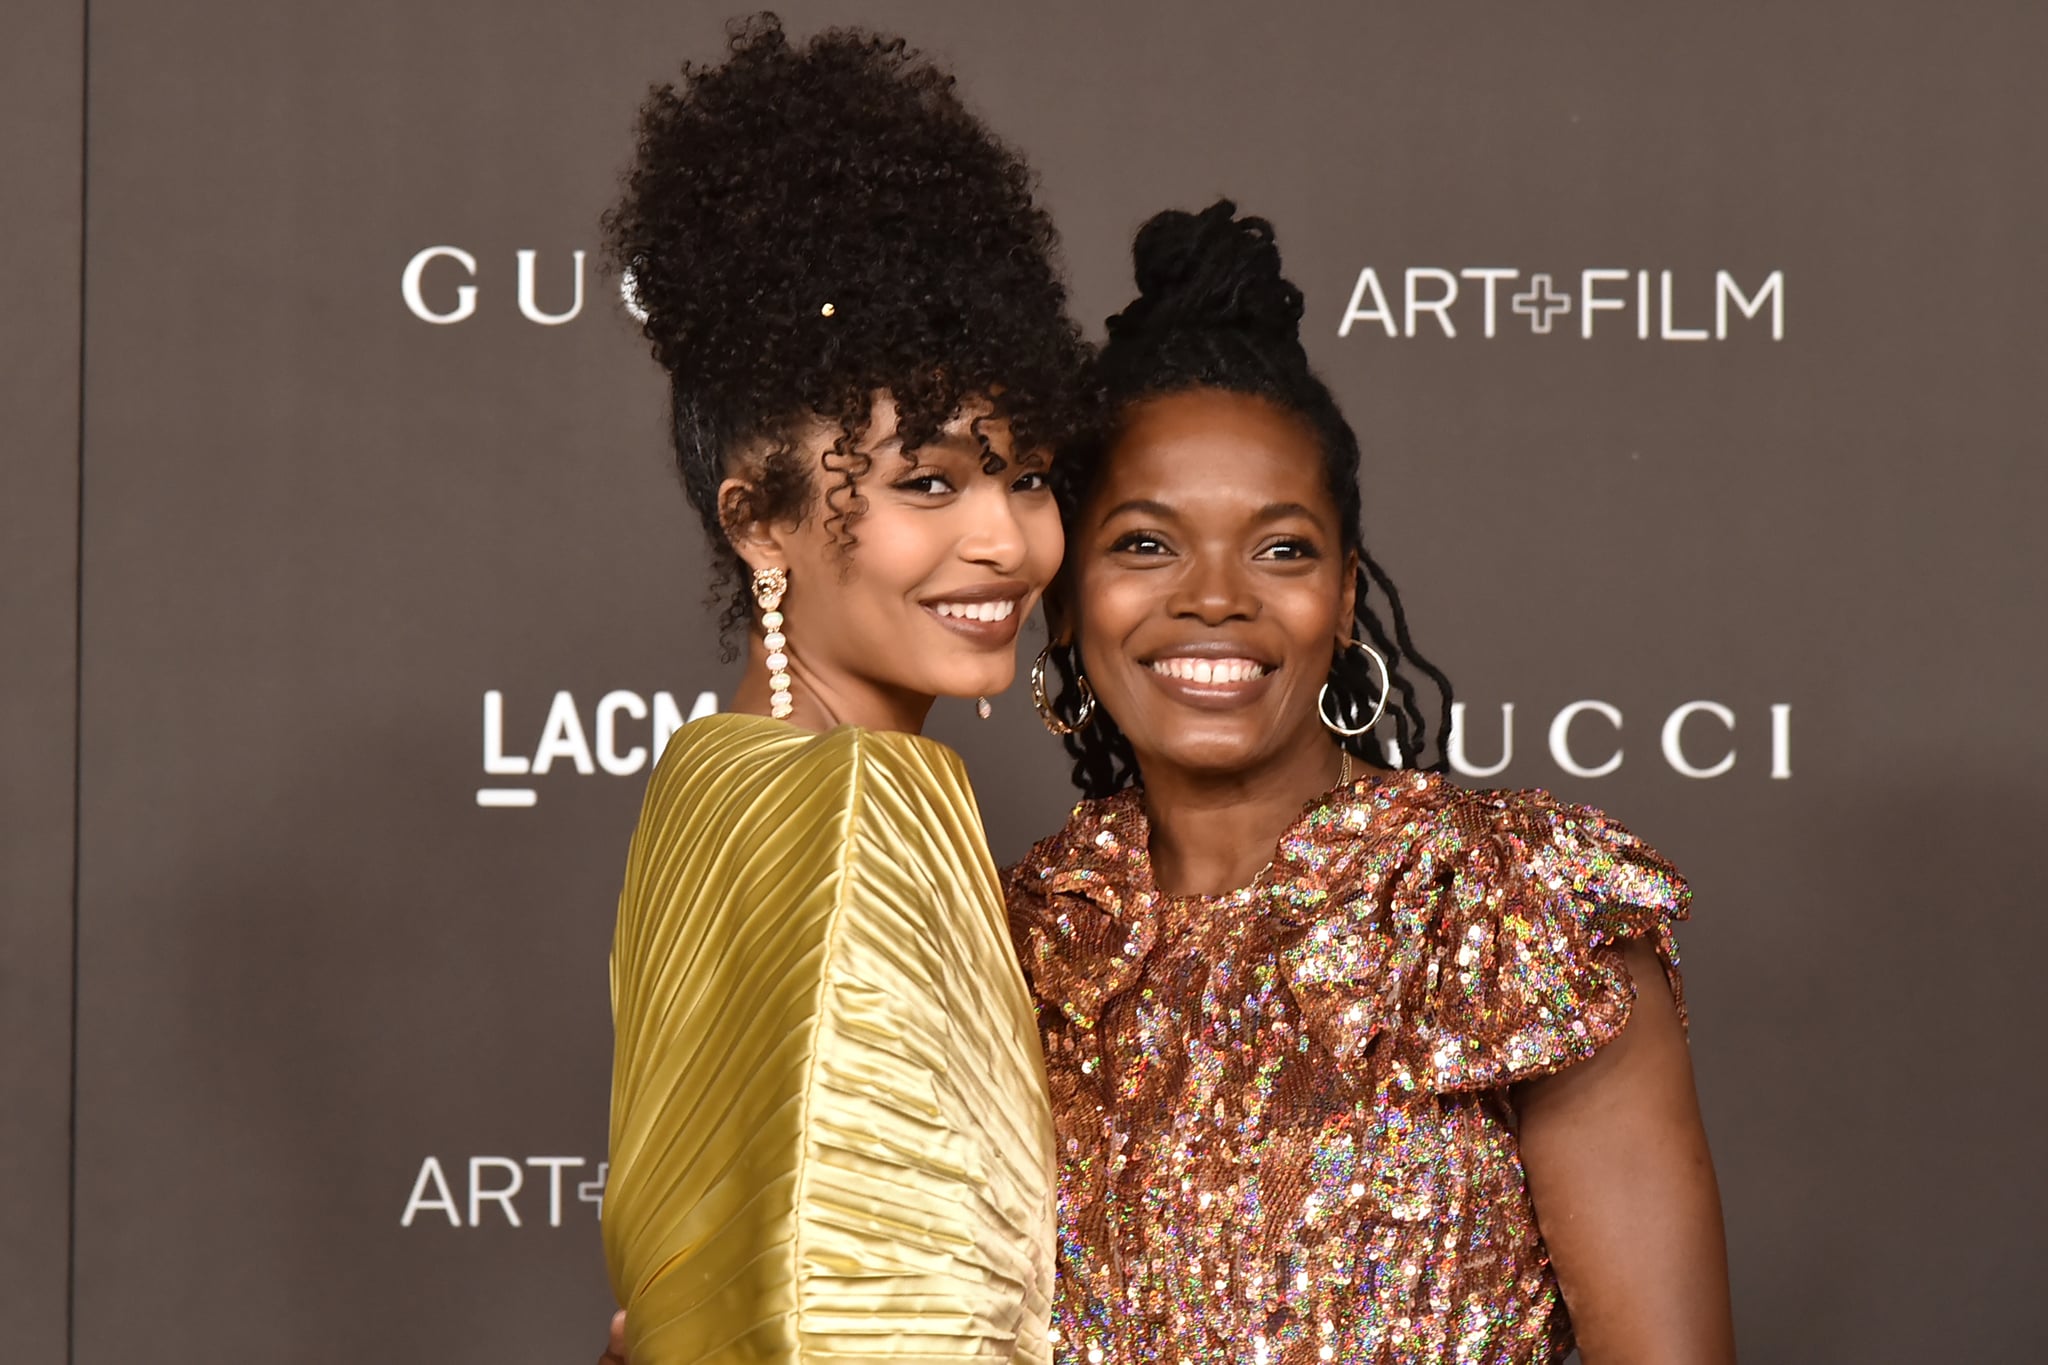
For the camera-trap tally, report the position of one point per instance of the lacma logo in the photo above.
(1487, 299)
(626, 735)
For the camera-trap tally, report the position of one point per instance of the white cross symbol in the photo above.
(592, 1191)
(1539, 304)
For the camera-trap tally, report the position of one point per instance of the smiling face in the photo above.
(953, 544)
(1211, 584)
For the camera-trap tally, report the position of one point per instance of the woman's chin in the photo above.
(1210, 754)
(980, 682)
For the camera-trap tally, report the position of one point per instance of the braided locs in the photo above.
(1214, 311)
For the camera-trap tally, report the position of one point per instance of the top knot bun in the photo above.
(1209, 271)
(808, 223)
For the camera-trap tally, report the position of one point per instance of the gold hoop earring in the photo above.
(769, 585)
(1053, 723)
(1337, 727)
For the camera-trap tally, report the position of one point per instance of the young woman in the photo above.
(1347, 1063)
(830, 1135)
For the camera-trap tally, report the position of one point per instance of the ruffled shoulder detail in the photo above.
(1081, 928)
(1465, 940)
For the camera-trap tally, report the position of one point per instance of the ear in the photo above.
(758, 542)
(1347, 602)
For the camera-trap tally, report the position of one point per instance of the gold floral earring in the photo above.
(769, 585)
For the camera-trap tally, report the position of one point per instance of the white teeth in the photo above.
(1210, 670)
(998, 610)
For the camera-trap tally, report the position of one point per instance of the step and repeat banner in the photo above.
(1697, 355)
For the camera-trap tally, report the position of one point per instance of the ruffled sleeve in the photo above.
(1081, 937)
(1488, 950)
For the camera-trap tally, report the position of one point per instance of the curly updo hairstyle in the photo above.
(806, 225)
(1214, 312)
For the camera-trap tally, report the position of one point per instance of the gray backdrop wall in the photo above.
(1699, 367)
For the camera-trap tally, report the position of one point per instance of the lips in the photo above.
(1227, 670)
(1210, 675)
(987, 613)
(999, 610)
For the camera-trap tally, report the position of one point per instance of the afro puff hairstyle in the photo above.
(804, 226)
(1214, 312)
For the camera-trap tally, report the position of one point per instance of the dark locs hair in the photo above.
(806, 226)
(1214, 312)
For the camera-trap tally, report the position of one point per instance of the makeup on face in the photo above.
(953, 544)
(1213, 585)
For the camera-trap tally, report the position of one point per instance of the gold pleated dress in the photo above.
(830, 1137)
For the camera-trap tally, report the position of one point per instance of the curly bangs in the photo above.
(807, 225)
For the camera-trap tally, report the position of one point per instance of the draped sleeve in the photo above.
(830, 1137)
(1478, 941)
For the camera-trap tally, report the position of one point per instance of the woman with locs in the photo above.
(1348, 1063)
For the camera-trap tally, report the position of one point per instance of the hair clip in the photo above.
(827, 311)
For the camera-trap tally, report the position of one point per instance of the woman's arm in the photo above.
(1624, 1191)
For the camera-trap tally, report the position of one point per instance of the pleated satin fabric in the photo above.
(830, 1135)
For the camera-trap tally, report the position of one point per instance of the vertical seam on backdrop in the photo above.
(78, 685)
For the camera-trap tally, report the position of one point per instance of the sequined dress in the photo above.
(1285, 1127)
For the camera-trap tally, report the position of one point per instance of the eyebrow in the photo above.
(1272, 511)
(945, 443)
(1144, 505)
(967, 443)
(959, 442)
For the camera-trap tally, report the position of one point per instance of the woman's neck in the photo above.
(823, 698)
(1215, 832)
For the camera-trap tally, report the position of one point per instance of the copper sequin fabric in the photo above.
(1283, 1113)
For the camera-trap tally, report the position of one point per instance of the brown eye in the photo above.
(1138, 543)
(1289, 549)
(929, 485)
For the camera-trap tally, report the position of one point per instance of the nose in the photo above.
(1213, 588)
(993, 536)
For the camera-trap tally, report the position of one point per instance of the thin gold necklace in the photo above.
(1343, 780)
